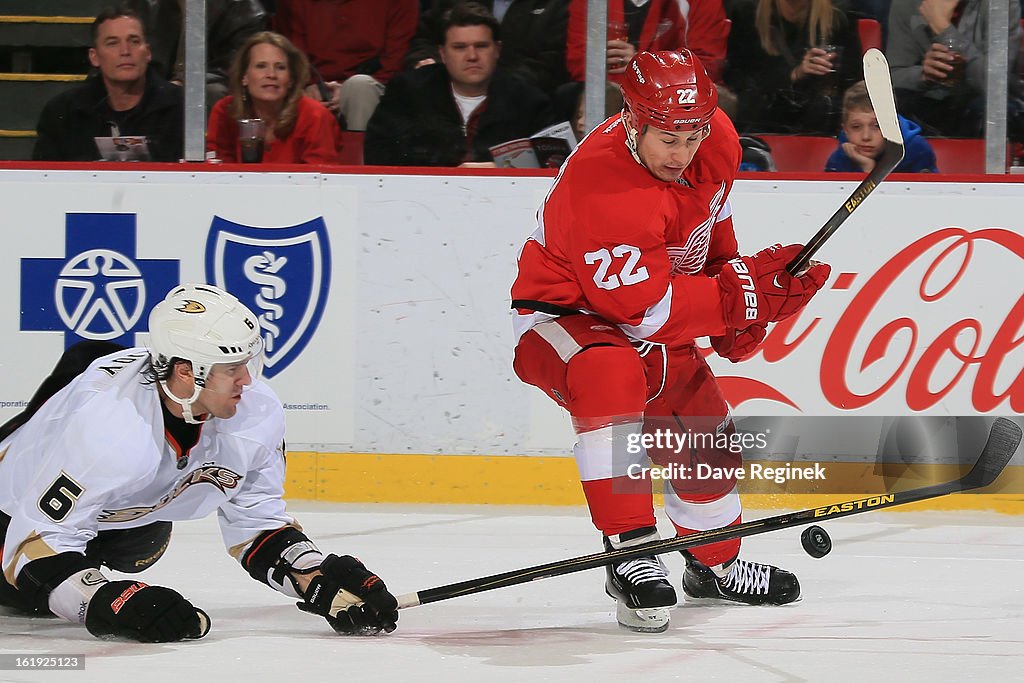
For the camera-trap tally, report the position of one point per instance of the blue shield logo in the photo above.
(281, 274)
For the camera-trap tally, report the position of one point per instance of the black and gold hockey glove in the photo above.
(353, 600)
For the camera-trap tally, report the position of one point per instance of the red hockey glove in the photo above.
(758, 289)
(736, 345)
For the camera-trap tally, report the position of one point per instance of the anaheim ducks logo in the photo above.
(191, 306)
(220, 477)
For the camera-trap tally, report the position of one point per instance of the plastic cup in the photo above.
(831, 79)
(618, 30)
(957, 48)
(250, 140)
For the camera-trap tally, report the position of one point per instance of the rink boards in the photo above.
(384, 300)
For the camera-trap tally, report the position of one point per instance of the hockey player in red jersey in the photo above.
(119, 443)
(634, 256)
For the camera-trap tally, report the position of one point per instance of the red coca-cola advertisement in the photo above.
(919, 324)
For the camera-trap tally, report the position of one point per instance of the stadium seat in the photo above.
(800, 153)
(43, 52)
(870, 33)
(959, 155)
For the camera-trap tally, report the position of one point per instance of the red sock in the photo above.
(620, 504)
(713, 553)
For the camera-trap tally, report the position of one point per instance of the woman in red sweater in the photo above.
(266, 82)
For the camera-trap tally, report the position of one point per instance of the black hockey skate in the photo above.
(751, 583)
(639, 586)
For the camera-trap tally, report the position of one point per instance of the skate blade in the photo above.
(643, 620)
(721, 600)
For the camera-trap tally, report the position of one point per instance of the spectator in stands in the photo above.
(638, 25)
(789, 61)
(450, 114)
(266, 82)
(228, 24)
(533, 34)
(861, 142)
(936, 53)
(125, 97)
(579, 117)
(650, 25)
(355, 46)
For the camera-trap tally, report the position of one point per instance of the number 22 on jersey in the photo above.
(625, 257)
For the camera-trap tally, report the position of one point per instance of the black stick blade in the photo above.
(1003, 440)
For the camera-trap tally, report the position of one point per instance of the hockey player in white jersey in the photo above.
(94, 475)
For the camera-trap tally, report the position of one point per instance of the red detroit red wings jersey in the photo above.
(614, 240)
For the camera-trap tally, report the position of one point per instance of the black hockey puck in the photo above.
(816, 541)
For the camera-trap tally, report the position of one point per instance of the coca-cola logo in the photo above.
(875, 348)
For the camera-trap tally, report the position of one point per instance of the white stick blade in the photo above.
(879, 83)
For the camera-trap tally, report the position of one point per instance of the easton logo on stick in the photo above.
(860, 195)
(849, 506)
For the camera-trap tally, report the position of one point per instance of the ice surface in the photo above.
(907, 596)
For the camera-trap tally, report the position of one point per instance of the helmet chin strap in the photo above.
(185, 403)
(631, 139)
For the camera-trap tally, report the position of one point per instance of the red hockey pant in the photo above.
(630, 401)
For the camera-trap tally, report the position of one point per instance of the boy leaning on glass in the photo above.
(861, 142)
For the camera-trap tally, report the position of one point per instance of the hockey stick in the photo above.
(1002, 442)
(876, 77)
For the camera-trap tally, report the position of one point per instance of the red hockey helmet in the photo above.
(669, 90)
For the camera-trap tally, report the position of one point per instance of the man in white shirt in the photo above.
(450, 114)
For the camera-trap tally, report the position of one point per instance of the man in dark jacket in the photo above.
(451, 113)
(126, 97)
(533, 39)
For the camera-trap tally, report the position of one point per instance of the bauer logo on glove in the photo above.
(758, 289)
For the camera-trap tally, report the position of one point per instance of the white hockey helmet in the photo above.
(204, 325)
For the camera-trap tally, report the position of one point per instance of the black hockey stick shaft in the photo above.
(1002, 442)
(879, 85)
(891, 158)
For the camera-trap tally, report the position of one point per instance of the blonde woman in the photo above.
(789, 61)
(266, 82)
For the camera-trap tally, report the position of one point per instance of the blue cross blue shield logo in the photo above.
(282, 274)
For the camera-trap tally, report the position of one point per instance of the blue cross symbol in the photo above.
(100, 290)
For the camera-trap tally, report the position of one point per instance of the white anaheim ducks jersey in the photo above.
(96, 457)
